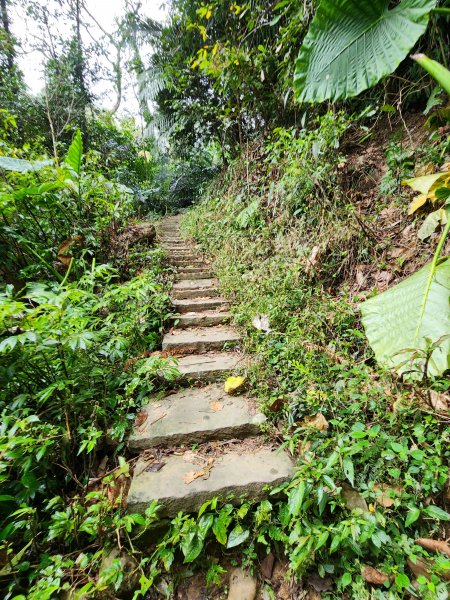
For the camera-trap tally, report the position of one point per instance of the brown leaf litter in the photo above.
(203, 473)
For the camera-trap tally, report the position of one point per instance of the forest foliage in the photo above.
(331, 247)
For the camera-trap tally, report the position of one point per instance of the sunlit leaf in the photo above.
(352, 44)
(75, 153)
(19, 165)
(391, 320)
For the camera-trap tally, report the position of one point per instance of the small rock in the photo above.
(353, 499)
(279, 580)
(267, 566)
(242, 585)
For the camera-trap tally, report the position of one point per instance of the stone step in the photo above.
(189, 256)
(185, 262)
(199, 304)
(212, 366)
(202, 319)
(234, 473)
(192, 274)
(177, 249)
(190, 284)
(211, 292)
(195, 415)
(199, 339)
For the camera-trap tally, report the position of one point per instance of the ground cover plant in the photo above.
(361, 496)
(327, 225)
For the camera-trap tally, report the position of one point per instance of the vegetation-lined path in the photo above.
(185, 480)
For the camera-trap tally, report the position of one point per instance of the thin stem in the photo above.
(433, 271)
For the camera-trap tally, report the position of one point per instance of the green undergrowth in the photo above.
(77, 362)
(372, 455)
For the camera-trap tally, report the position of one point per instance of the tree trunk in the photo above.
(6, 27)
(79, 72)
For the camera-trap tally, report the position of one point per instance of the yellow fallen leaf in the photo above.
(424, 183)
(427, 186)
(317, 422)
(234, 384)
(417, 203)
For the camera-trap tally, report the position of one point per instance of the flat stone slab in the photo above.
(185, 262)
(187, 256)
(195, 415)
(193, 273)
(200, 304)
(246, 474)
(202, 319)
(184, 294)
(194, 284)
(200, 339)
(212, 366)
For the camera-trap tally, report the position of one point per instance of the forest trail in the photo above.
(206, 442)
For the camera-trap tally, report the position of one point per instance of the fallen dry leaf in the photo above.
(420, 567)
(141, 418)
(277, 404)
(426, 169)
(386, 494)
(434, 545)
(155, 467)
(313, 259)
(203, 473)
(372, 575)
(234, 384)
(353, 498)
(360, 277)
(215, 406)
(440, 402)
(317, 422)
(383, 279)
(190, 456)
(64, 256)
(261, 322)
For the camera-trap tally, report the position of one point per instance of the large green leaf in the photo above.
(75, 153)
(392, 318)
(20, 165)
(352, 44)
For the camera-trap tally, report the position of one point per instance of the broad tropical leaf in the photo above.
(427, 185)
(75, 153)
(392, 318)
(352, 44)
(19, 165)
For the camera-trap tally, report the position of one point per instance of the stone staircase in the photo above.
(238, 463)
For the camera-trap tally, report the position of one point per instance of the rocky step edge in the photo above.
(195, 415)
(184, 482)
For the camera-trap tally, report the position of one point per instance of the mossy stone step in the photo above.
(200, 339)
(207, 318)
(195, 415)
(211, 366)
(188, 262)
(192, 274)
(199, 304)
(245, 474)
(185, 294)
